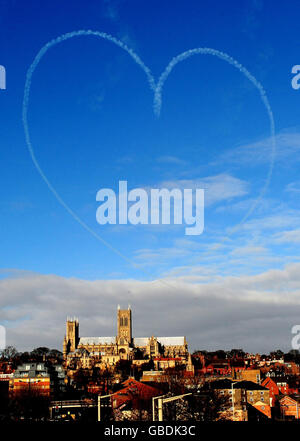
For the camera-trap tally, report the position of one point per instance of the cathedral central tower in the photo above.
(124, 326)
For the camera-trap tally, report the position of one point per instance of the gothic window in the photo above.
(123, 321)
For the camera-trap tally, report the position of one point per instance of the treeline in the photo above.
(292, 355)
(11, 354)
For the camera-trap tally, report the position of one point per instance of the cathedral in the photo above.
(122, 347)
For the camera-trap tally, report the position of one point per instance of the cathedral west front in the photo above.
(109, 350)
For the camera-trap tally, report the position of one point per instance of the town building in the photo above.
(249, 374)
(279, 386)
(290, 407)
(134, 394)
(37, 378)
(236, 409)
(243, 395)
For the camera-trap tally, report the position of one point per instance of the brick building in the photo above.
(290, 407)
(242, 395)
(38, 378)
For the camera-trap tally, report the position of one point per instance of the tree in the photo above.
(40, 352)
(138, 354)
(196, 407)
(23, 357)
(198, 352)
(221, 354)
(82, 378)
(201, 406)
(9, 353)
(131, 415)
(148, 365)
(29, 404)
(277, 354)
(175, 378)
(123, 367)
(237, 353)
(107, 377)
(55, 353)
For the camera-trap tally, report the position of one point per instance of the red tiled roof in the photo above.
(167, 359)
(134, 391)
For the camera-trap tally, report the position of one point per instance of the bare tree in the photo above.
(29, 405)
(9, 353)
(131, 415)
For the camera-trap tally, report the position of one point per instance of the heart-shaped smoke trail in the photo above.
(30, 72)
(209, 51)
(157, 89)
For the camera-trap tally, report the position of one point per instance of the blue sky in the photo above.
(92, 124)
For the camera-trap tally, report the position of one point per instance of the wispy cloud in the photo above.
(171, 160)
(111, 9)
(248, 250)
(291, 236)
(259, 152)
(293, 187)
(217, 188)
(284, 219)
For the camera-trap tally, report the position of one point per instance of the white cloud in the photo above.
(171, 160)
(246, 250)
(284, 219)
(293, 187)
(216, 188)
(259, 152)
(253, 312)
(291, 236)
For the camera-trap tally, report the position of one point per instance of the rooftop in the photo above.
(97, 340)
(228, 384)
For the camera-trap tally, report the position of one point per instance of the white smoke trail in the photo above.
(157, 103)
(30, 72)
(157, 89)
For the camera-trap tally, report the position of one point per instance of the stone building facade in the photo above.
(123, 346)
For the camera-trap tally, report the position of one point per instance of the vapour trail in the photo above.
(157, 104)
(30, 72)
(157, 89)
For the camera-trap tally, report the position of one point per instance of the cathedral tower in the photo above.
(124, 326)
(72, 335)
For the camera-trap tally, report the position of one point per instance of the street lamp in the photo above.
(153, 405)
(232, 397)
(162, 401)
(99, 404)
